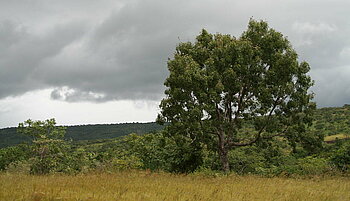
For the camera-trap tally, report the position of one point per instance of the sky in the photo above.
(93, 62)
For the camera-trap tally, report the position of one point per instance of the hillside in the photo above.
(9, 136)
(332, 120)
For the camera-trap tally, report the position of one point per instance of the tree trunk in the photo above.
(223, 153)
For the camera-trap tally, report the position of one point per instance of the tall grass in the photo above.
(161, 186)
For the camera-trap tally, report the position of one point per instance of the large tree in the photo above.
(231, 92)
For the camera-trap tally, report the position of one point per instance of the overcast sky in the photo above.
(88, 61)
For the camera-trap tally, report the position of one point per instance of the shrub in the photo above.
(341, 157)
(19, 167)
(13, 154)
(245, 160)
(305, 166)
(124, 163)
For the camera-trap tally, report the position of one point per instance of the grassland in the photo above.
(160, 186)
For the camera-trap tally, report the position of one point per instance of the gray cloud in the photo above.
(97, 52)
(22, 53)
(125, 56)
(333, 85)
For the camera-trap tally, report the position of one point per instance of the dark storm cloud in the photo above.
(22, 53)
(125, 56)
(114, 50)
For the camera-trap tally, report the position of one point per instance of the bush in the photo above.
(125, 163)
(19, 167)
(203, 171)
(159, 152)
(13, 154)
(305, 166)
(58, 156)
(245, 160)
(341, 157)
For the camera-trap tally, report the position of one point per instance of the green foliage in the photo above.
(99, 132)
(270, 158)
(228, 92)
(159, 152)
(341, 156)
(332, 121)
(246, 160)
(41, 130)
(13, 154)
(126, 163)
(49, 152)
(151, 151)
(20, 166)
(150, 148)
(48, 156)
(305, 166)
(58, 156)
(250, 160)
(203, 171)
(163, 151)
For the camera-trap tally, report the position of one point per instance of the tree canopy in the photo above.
(228, 92)
(40, 130)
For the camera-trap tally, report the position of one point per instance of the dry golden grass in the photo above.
(144, 186)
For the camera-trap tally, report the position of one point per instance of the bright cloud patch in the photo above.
(313, 28)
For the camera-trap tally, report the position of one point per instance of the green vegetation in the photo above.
(218, 132)
(49, 153)
(326, 123)
(10, 137)
(332, 121)
(227, 92)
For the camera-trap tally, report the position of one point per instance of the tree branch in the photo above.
(239, 104)
(204, 130)
(258, 136)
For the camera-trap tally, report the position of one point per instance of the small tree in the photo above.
(49, 147)
(230, 92)
(41, 130)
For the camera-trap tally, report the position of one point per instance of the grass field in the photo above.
(160, 186)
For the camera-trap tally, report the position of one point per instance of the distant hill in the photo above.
(9, 136)
(332, 120)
